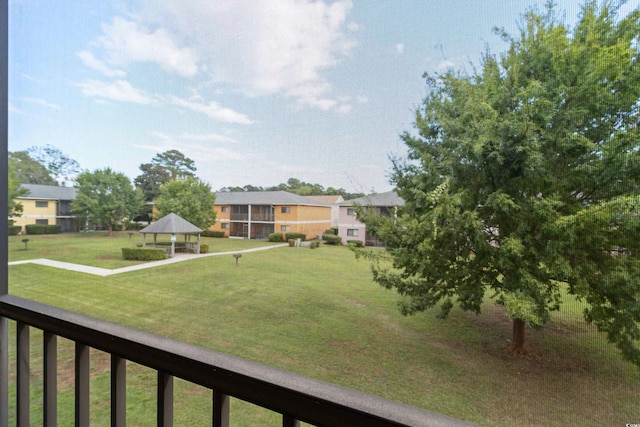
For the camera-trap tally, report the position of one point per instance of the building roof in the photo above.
(389, 198)
(48, 192)
(332, 200)
(264, 198)
(171, 224)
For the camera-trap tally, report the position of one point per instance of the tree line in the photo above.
(166, 184)
(298, 187)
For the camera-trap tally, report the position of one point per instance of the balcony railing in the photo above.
(296, 397)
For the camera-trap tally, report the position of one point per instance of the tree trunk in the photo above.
(110, 230)
(518, 345)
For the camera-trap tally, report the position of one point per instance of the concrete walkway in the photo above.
(97, 271)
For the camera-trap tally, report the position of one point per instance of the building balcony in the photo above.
(296, 398)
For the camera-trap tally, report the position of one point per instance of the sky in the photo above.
(255, 92)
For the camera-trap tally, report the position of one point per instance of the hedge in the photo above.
(355, 243)
(52, 229)
(331, 239)
(144, 254)
(42, 229)
(294, 236)
(14, 230)
(276, 237)
(211, 233)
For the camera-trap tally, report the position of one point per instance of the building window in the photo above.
(42, 221)
(42, 204)
(353, 232)
(285, 209)
(285, 228)
(224, 226)
(225, 209)
(351, 212)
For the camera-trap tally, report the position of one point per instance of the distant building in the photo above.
(334, 201)
(47, 205)
(256, 214)
(350, 228)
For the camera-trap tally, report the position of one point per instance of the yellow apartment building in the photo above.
(47, 205)
(255, 215)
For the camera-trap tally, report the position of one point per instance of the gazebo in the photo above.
(174, 225)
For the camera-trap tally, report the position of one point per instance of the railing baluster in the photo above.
(289, 421)
(50, 412)
(118, 391)
(82, 385)
(23, 375)
(220, 409)
(296, 398)
(4, 372)
(165, 400)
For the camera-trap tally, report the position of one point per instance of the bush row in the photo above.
(285, 237)
(144, 254)
(204, 248)
(356, 243)
(42, 229)
(134, 226)
(331, 239)
(211, 233)
(14, 230)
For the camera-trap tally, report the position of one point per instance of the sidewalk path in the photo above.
(97, 271)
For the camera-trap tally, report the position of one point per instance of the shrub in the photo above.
(144, 254)
(276, 237)
(355, 243)
(332, 230)
(211, 233)
(314, 244)
(331, 239)
(294, 236)
(130, 225)
(14, 230)
(52, 229)
(204, 248)
(35, 228)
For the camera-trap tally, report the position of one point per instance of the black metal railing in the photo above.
(296, 397)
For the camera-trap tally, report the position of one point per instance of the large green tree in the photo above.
(521, 181)
(28, 170)
(177, 164)
(106, 198)
(60, 166)
(188, 198)
(149, 182)
(15, 191)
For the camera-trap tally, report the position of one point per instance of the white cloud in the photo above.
(288, 47)
(313, 95)
(91, 61)
(202, 152)
(13, 109)
(400, 48)
(33, 79)
(445, 65)
(42, 103)
(127, 41)
(161, 135)
(210, 137)
(117, 91)
(213, 110)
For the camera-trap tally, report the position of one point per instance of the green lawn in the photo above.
(318, 313)
(99, 250)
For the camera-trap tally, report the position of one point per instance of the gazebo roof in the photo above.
(171, 224)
